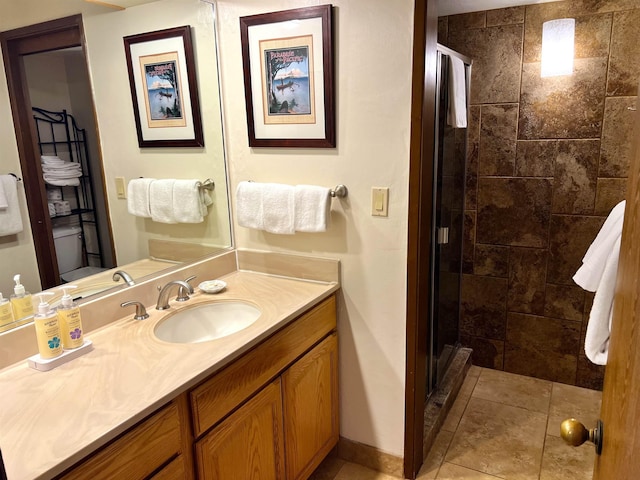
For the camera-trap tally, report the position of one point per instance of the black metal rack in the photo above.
(58, 134)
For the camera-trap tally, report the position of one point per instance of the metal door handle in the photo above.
(575, 433)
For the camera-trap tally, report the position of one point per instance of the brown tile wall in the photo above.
(547, 159)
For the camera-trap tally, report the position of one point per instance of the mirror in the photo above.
(141, 246)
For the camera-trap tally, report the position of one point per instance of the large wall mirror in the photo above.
(89, 83)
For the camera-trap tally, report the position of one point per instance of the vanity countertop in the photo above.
(51, 420)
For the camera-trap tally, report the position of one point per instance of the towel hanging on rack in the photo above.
(10, 216)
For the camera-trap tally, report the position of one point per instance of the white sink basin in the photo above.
(205, 322)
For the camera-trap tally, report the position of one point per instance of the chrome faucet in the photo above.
(163, 298)
(125, 276)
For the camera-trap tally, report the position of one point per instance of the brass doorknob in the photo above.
(575, 433)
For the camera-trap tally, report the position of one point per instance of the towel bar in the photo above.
(339, 191)
(208, 184)
(18, 179)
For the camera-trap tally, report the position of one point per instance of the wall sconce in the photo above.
(557, 47)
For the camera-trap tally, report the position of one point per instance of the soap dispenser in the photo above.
(70, 322)
(47, 329)
(6, 312)
(21, 300)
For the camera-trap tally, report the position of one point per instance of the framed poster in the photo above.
(288, 78)
(164, 89)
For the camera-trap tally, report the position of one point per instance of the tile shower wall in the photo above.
(547, 159)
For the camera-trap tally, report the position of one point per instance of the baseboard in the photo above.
(370, 457)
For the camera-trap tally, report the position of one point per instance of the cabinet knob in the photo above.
(575, 433)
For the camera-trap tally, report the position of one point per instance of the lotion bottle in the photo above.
(21, 301)
(6, 312)
(47, 329)
(70, 322)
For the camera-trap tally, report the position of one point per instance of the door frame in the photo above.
(423, 98)
(42, 37)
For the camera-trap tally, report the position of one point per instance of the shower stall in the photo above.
(449, 175)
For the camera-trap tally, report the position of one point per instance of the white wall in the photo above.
(373, 42)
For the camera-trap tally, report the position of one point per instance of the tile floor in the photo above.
(501, 426)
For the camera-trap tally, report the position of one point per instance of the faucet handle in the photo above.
(141, 312)
(183, 295)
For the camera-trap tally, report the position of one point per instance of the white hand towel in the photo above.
(62, 182)
(278, 208)
(4, 203)
(249, 205)
(312, 208)
(161, 201)
(457, 111)
(138, 197)
(187, 201)
(10, 217)
(589, 274)
(596, 342)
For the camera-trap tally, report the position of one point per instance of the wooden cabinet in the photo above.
(271, 414)
(248, 444)
(310, 399)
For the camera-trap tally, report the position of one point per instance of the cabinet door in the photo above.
(248, 444)
(310, 397)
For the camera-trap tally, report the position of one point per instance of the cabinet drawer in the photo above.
(136, 454)
(218, 396)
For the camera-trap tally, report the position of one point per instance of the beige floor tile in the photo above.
(568, 401)
(515, 390)
(351, 471)
(436, 455)
(474, 371)
(328, 469)
(457, 409)
(449, 471)
(499, 440)
(562, 462)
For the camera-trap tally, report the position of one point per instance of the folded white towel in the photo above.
(4, 203)
(598, 273)
(457, 111)
(312, 208)
(51, 159)
(10, 217)
(589, 274)
(188, 203)
(249, 205)
(278, 208)
(138, 197)
(62, 182)
(161, 201)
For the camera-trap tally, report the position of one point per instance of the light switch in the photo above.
(380, 201)
(121, 191)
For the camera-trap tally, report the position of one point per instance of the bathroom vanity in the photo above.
(260, 402)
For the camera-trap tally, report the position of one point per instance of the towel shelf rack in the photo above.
(339, 191)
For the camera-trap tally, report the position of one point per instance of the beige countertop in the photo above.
(50, 420)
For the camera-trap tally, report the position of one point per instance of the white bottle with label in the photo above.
(6, 312)
(47, 329)
(70, 321)
(21, 301)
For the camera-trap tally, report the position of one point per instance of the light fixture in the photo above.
(557, 47)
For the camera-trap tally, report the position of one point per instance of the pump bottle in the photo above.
(21, 300)
(6, 313)
(70, 322)
(47, 329)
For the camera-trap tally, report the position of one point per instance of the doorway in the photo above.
(24, 50)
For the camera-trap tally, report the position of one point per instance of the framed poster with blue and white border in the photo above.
(288, 78)
(164, 89)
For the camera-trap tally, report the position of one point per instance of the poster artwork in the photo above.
(288, 87)
(162, 92)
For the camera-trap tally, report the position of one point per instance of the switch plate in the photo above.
(121, 192)
(380, 201)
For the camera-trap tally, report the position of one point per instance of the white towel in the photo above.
(278, 208)
(188, 203)
(10, 217)
(598, 273)
(138, 197)
(161, 201)
(312, 208)
(4, 203)
(249, 205)
(62, 182)
(589, 274)
(457, 111)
